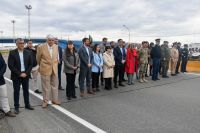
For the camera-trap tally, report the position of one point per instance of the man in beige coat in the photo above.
(174, 58)
(47, 58)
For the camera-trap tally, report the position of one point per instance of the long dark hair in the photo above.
(67, 50)
(95, 48)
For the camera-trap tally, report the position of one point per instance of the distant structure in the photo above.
(194, 45)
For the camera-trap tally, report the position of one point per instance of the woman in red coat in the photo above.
(130, 63)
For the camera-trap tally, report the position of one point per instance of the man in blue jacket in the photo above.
(3, 89)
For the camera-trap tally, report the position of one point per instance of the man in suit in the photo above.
(120, 57)
(34, 71)
(47, 58)
(3, 90)
(156, 56)
(20, 64)
(59, 64)
(86, 60)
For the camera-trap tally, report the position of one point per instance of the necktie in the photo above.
(123, 53)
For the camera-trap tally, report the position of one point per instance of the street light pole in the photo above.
(13, 22)
(1, 37)
(129, 33)
(29, 7)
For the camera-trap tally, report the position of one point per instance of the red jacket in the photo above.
(130, 61)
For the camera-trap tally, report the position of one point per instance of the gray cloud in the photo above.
(143, 17)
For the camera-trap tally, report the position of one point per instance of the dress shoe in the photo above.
(38, 91)
(94, 89)
(16, 111)
(44, 105)
(120, 84)
(115, 86)
(10, 114)
(157, 79)
(74, 97)
(97, 90)
(29, 107)
(124, 80)
(90, 92)
(56, 102)
(82, 94)
(60, 88)
(68, 98)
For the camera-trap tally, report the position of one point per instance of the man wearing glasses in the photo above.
(20, 64)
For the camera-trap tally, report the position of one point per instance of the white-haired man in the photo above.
(47, 58)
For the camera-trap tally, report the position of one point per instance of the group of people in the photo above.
(108, 62)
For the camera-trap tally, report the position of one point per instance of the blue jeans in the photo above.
(156, 65)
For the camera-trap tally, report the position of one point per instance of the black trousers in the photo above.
(59, 74)
(70, 87)
(95, 79)
(184, 64)
(102, 80)
(118, 71)
(178, 65)
(25, 86)
(108, 83)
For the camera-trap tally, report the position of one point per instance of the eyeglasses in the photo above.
(21, 43)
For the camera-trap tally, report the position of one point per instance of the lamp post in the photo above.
(29, 7)
(129, 33)
(13, 22)
(1, 37)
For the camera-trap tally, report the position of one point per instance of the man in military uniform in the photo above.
(185, 53)
(165, 57)
(174, 58)
(143, 61)
(179, 59)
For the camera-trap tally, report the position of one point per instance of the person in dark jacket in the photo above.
(3, 90)
(156, 56)
(86, 62)
(120, 58)
(59, 64)
(34, 71)
(20, 64)
(165, 59)
(185, 53)
(71, 66)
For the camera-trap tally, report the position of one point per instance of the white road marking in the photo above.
(68, 113)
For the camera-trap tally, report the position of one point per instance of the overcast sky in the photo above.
(147, 19)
